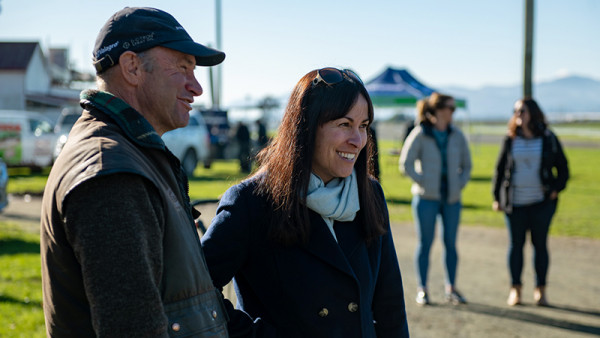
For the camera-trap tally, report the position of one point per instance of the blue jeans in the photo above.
(425, 213)
(535, 218)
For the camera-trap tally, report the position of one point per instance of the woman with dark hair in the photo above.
(436, 157)
(307, 238)
(526, 189)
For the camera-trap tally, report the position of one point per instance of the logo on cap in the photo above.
(107, 49)
(141, 40)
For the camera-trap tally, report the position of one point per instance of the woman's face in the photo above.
(522, 116)
(445, 114)
(338, 142)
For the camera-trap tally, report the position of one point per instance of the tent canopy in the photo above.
(398, 88)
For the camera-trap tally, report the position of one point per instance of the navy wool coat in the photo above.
(321, 289)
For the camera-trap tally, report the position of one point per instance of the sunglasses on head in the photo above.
(331, 76)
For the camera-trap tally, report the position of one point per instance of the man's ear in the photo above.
(131, 67)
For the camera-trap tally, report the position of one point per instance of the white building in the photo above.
(26, 79)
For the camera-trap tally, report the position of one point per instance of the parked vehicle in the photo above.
(219, 129)
(63, 126)
(190, 144)
(26, 138)
(3, 184)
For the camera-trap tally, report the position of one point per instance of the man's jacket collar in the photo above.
(134, 125)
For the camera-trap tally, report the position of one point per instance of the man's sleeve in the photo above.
(115, 224)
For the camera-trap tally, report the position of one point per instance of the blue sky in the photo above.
(270, 44)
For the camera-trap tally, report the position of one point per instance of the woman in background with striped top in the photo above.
(526, 188)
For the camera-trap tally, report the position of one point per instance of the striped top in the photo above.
(527, 155)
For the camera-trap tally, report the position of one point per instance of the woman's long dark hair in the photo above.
(537, 120)
(286, 164)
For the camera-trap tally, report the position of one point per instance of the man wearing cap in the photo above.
(120, 253)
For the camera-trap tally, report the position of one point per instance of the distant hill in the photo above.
(558, 98)
(562, 98)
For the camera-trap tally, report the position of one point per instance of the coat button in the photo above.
(324, 312)
(176, 327)
(352, 307)
(214, 314)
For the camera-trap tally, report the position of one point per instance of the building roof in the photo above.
(16, 55)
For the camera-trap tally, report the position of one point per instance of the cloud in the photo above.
(562, 73)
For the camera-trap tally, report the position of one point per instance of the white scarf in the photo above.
(334, 201)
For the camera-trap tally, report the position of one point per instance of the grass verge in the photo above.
(21, 313)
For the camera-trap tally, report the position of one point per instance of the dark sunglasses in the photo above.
(452, 108)
(331, 76)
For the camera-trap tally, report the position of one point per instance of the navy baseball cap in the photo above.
(137, 29)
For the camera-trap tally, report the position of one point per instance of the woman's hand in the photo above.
(554, 195)
(496, 206)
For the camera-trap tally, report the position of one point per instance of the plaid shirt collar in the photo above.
(134, 125)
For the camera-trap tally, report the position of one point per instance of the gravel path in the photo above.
(573, 285)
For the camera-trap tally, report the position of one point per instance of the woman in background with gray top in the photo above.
(436, 157)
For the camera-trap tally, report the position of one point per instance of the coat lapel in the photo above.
(349, 239)
(322, 245)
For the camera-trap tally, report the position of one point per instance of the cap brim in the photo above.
(205, 56)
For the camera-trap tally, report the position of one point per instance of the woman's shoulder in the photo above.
(551, 140)
(507, 140)
(244, 206)
(548, 133)
(418, 130)
(456, 132)
(244, 190)
(377, 189)
(415, 135)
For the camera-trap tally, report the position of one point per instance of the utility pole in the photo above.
(217, 84)
(527, 65)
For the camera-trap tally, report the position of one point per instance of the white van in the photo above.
(26, 138)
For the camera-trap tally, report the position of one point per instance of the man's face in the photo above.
(167, 89)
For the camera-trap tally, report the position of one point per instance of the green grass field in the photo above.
(577, 213)
(21, 312)
(20, 281)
